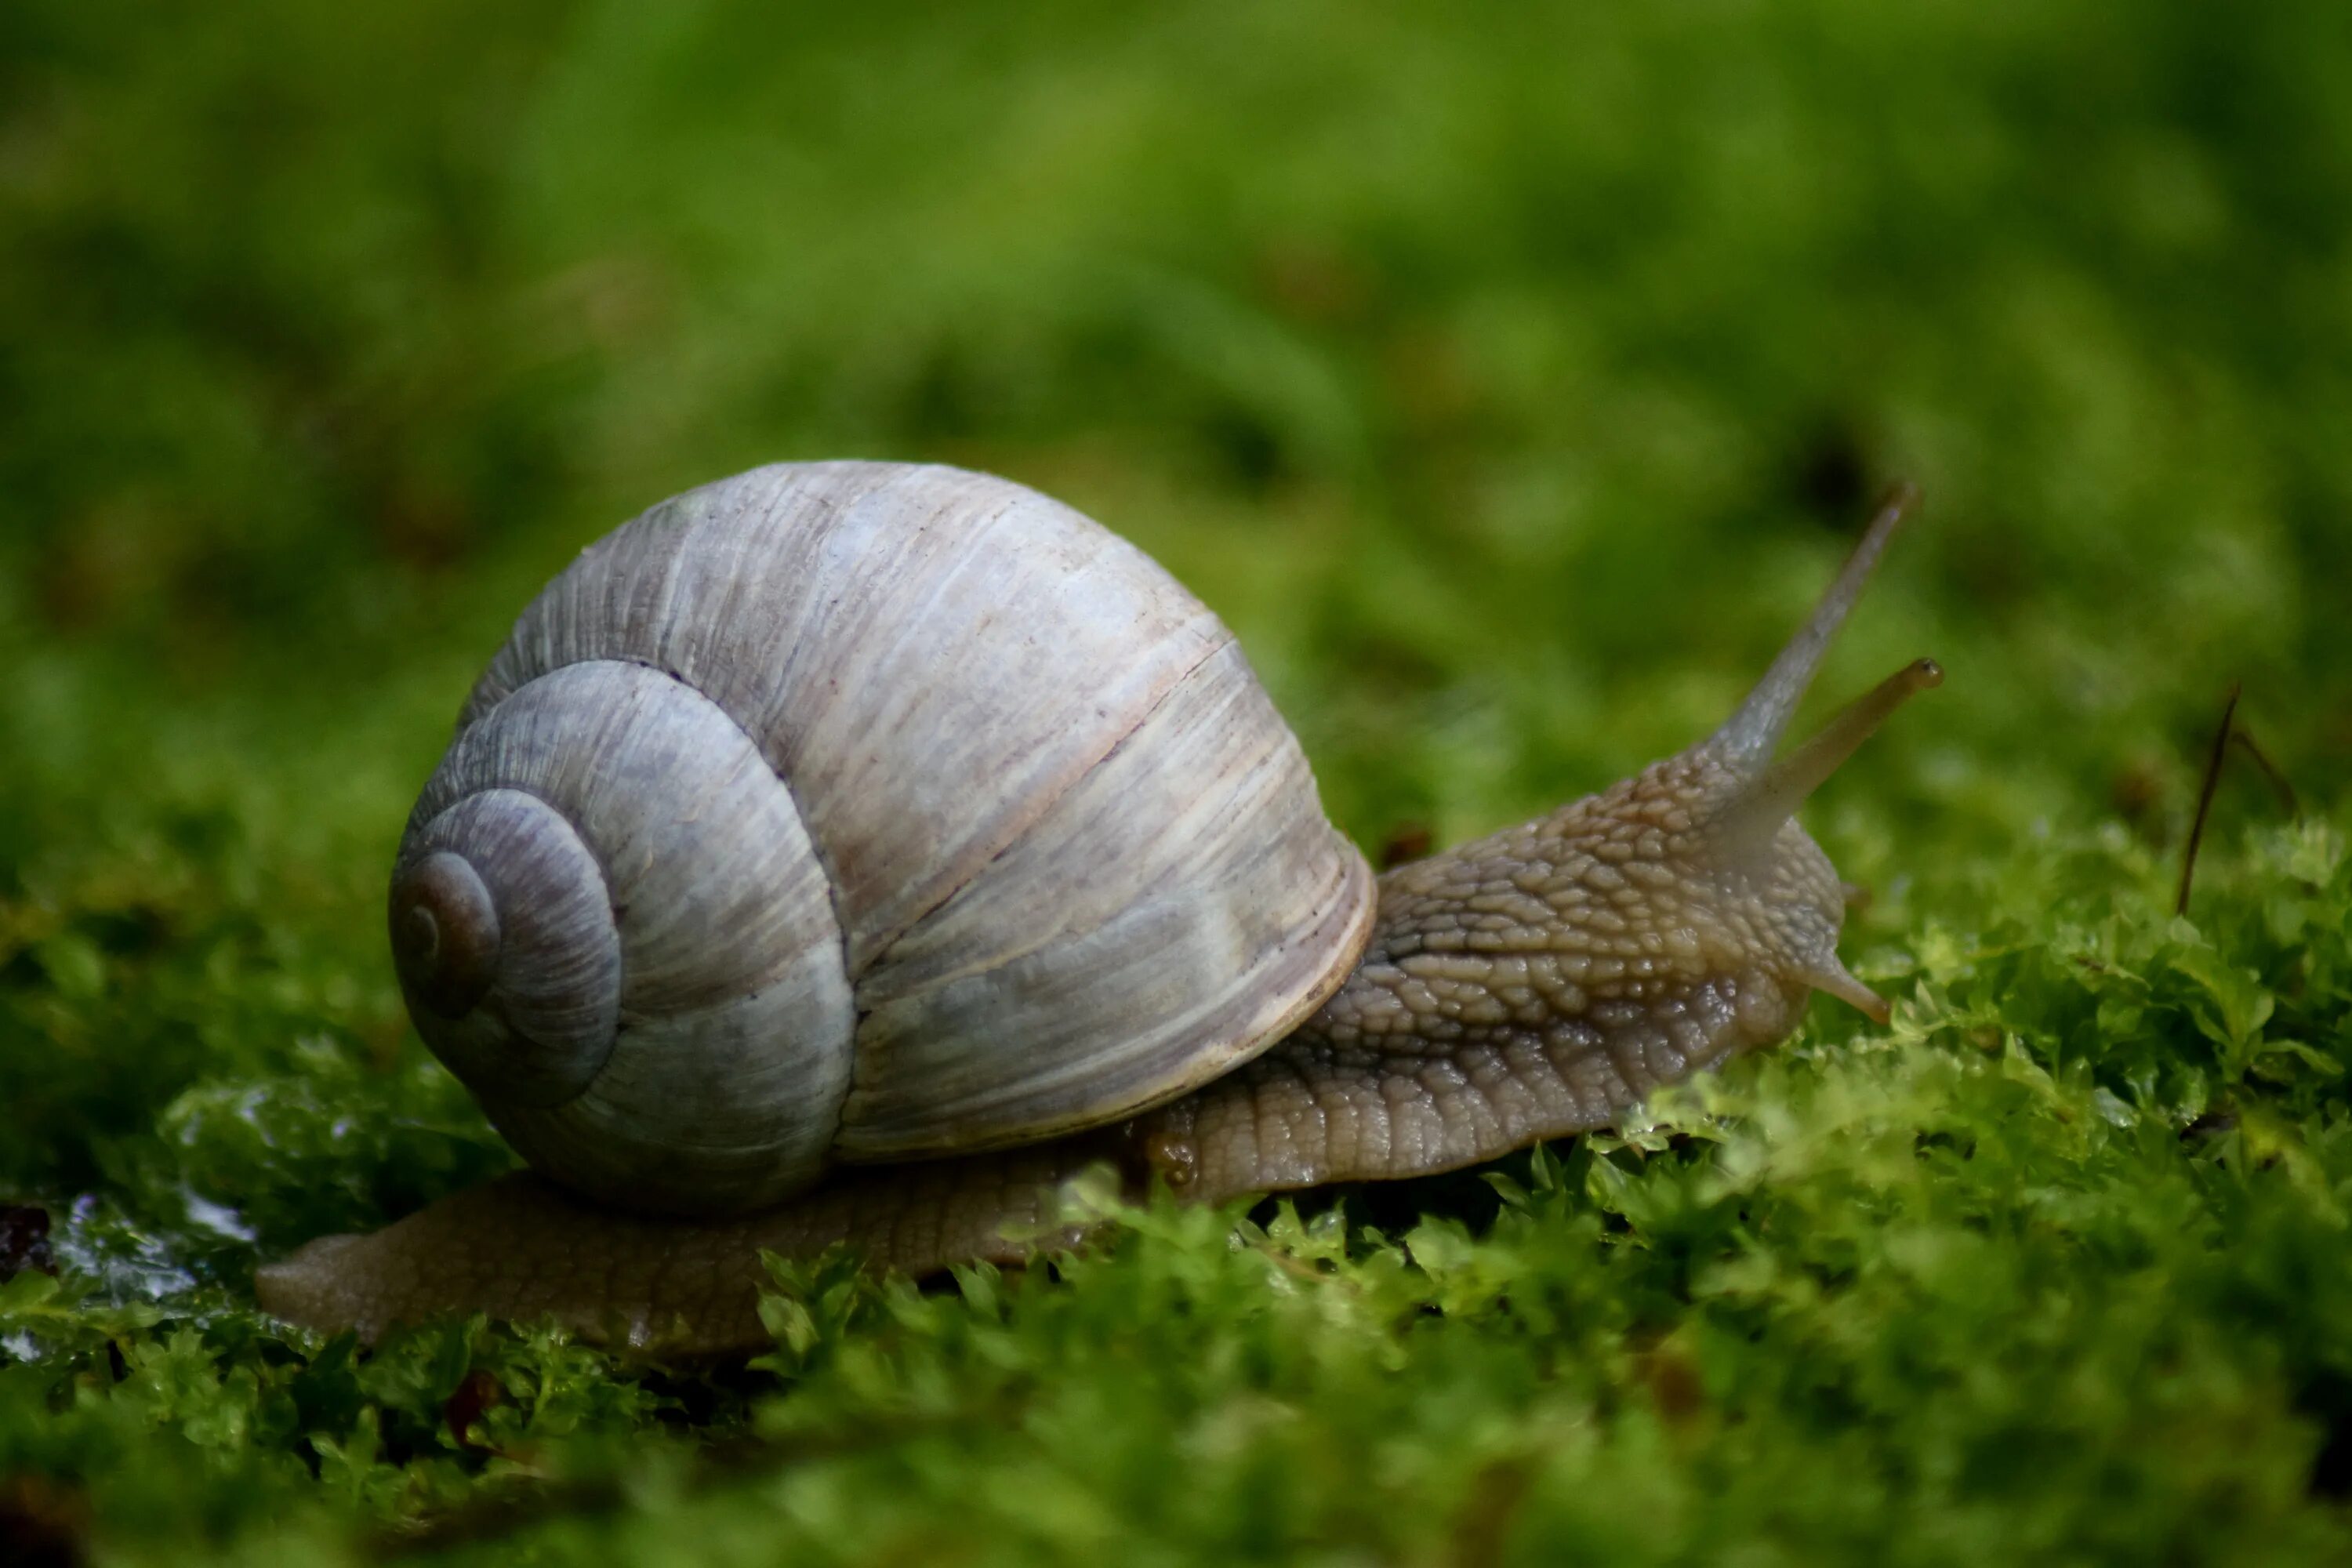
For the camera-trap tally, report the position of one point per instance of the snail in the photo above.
(858, 851)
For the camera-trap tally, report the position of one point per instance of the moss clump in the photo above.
(1507, 381)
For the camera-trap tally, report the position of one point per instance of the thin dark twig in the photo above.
(2205, 795)
(2287, 802)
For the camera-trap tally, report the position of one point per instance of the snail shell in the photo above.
(852, 813)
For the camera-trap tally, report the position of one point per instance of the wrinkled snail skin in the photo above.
(1531, 984)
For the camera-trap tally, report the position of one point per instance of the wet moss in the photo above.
(1510, 383)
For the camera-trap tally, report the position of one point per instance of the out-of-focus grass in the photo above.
(1509, 381)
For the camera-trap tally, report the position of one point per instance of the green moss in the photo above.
(1507, 379)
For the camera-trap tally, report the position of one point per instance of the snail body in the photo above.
(854, 852)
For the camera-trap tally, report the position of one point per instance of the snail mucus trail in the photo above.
(1528, 985)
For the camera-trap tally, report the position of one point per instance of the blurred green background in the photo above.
(1510, 378)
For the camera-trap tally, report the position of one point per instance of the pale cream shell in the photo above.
(1041, 853)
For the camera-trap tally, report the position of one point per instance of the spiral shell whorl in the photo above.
(670, 1023)
(503, 935)
(445, 935)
